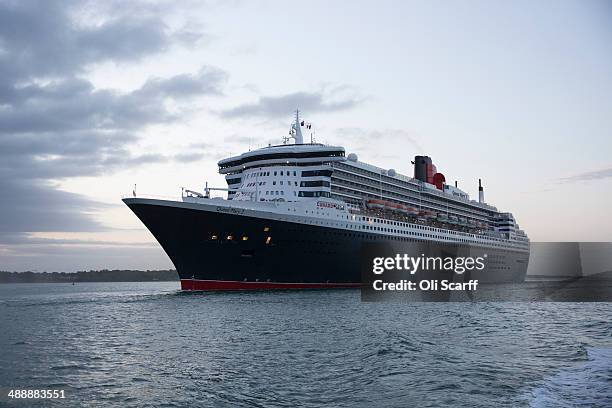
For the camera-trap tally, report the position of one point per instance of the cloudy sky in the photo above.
(97, 96)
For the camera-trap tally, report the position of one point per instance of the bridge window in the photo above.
(316, 183)
(314, 194)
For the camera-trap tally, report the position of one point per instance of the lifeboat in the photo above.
(385, 205)
(378, 204)
(391, 206)
(412, 211)
(401, 208)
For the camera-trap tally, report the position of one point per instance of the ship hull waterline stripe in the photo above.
(213, 285)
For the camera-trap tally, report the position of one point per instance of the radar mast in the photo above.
(297, 128)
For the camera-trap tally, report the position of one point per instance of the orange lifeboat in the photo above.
(378, 204)
(412, 211)
(403, 209)
(427, 214)
(391, 206)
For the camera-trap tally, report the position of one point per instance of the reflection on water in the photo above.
(135, 344)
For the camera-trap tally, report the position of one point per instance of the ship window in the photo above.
(268, 240)
(245, 238)
(274, 183)
(318, 183)
(281, 172)
(294, 173)
(275, 173)
(313, 173)
(214, 237)
(266, 229)
(229, 237)
(281, 183)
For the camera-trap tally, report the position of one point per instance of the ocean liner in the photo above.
(299, 214)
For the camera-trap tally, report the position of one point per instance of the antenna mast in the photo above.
(297, 127)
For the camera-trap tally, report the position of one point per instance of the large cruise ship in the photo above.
(299, 214)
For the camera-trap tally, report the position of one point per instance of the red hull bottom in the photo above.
(195, 284)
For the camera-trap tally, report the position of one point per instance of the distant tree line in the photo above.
(104, 275)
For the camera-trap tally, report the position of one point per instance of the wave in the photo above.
(583, 385)
(129, 297)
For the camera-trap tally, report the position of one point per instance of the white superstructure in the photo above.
(297, 177)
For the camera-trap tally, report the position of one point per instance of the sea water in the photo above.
(149, 344)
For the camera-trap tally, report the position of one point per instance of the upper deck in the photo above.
(296, 155)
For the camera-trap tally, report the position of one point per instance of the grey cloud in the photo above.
(66, 128)
(280, 106)
(128, 38)
(38, 206)
(73, 104)
(208, 81)
(588, 176)
(44, 38)
(35, 156)
(54, 124)
(67, 144)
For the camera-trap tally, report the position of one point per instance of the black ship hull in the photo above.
(225, 250)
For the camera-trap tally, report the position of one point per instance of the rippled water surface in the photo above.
(144, 344)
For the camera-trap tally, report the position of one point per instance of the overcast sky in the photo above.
(97, 96)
